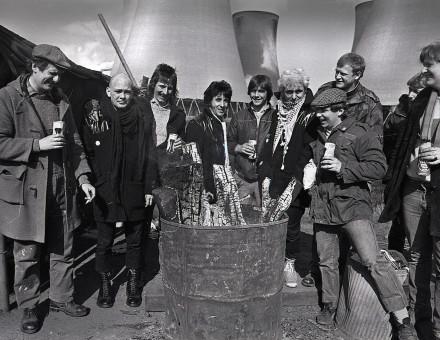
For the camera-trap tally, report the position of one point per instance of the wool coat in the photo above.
(24, 172)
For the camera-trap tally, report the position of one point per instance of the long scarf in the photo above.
(287, 116)
(126, 121)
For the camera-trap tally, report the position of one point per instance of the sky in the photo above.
(312, 34)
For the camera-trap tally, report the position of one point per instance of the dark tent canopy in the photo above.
(79, 84)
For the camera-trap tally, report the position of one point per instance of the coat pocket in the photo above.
(12, 183)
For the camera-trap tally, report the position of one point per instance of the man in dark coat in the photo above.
(341, 203)
(251, 124)
(418, 196)
(362, 103)
(39, 173)
(122, 157)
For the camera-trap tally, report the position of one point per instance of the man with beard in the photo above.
(122, 159)
(40, 168)
(251, 125)
(413, 190)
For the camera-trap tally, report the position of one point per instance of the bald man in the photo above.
(121, 154)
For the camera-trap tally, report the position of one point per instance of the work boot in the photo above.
(70, 308)
(290, 275)
(30, 322)
(134, 298)
(325, 317)
(104, 299)
(406, 330)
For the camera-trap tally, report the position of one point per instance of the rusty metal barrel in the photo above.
(223, 283)
(360, 314)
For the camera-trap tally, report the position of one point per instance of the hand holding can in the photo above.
(423, 168)
(253, 142)
(329, 149)
(171, 140)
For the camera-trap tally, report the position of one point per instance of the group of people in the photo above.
(331, 143)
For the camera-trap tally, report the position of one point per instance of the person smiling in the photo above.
(292, 128)
(417, 196)
(341, 204)
(252, 123)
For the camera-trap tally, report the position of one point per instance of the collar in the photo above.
(342, 127)
(154, 101)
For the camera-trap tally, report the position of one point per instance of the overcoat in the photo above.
(24, 173)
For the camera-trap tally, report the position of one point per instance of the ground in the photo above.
(123, 322)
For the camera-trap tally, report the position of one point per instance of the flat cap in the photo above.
(52, 54)
(329, 97)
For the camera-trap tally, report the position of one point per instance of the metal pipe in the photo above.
(4, 294)
(117, 49)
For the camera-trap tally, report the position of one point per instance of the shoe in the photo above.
(70, 308)
(30, 322)
(134, 298)
(104, 299)
(325, 317)
(406, 330)
(308, 280)
(290, 275)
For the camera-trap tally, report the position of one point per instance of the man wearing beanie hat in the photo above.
(348, 155)
(40, 170)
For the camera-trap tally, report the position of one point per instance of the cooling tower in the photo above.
(362, 15)
(195, 36)
(256, 34)
(391, 42)
(129, 10)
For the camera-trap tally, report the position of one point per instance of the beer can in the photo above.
(253, 142)
(329, 149)
(171, 140)
(423, 168)
(58, 127)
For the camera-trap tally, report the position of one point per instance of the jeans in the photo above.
(436, 317)
(416, 207)
(106, 234)
(293, 242)
(363, 238)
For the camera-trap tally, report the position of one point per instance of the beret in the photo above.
(52, 54)
(329, 97)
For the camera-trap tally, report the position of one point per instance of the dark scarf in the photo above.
(126, 121)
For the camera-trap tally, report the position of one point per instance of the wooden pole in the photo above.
(4, 294)
(117, 49)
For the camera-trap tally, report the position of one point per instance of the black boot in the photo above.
(104, 299)
(30, 323)
(134, 298)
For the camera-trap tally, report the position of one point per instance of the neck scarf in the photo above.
(287, 115)
(126, 121)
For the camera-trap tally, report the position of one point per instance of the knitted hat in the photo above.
(52, 54)
(329, 97)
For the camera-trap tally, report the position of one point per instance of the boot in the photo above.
(134, 298)
(327, 314)
(30, 323)
(104, 299)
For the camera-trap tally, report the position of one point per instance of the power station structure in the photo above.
(256, 34)
(391, 41)
(128, 12)
(362, 14)
(194, 36)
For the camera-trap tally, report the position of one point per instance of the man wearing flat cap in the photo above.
(42, 164)
(347, 155)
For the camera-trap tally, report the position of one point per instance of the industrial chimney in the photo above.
(256, 34)
(195, 36)
(391, 43)
(128, 12)
(362, 15)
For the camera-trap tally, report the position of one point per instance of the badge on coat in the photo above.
(97, 143)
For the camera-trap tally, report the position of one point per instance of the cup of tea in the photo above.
(58, 127)
(253, 142)
(171, 140)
